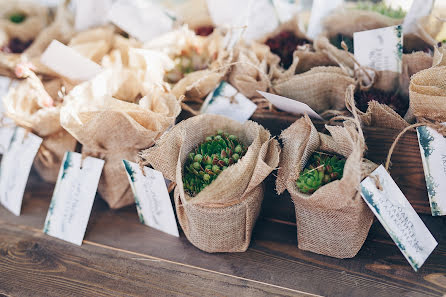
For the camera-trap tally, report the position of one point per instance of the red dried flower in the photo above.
(204, 30)
(393, 100)
(284, 44)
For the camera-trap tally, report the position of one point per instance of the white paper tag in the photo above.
(15, 168)
(66, 62)
(227, 101)
(6, 124)
(419, 8)
(398, 217)
(73, 197)
(291, 106)
(380, 49)
(319, 11)
(141, 19)
(259, 16)
(152, 198)
(433, 155)
(91, 13)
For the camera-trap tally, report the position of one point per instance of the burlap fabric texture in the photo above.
(221, 217)
(37, 18)
(114, 129)
(334, 220)
(31, 107)
(428, 90)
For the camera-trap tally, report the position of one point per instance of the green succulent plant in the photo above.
(382, 8)
(321, 169)
(209, 159)
(17, 18)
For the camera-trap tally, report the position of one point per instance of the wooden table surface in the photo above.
(121, 257)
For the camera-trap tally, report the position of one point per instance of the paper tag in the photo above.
(15, 168)
(141, 19)
(91, 13)
(291, 106)
(152, 198)
(259, 16)
(398, 217)
(7, 126)
(419, 8)
(380, 49)
(433, 155)
(285, 9)
(227, 101)
(68, 63)
(319, 11)
(73, 197)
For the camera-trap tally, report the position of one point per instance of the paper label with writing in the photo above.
(91, 13)
(291, 106)
(419, 8)
(227, 101)
(319, 11)
(152, 198)
(6, 124)
(141, 19)
(433, 155)
(398, 217)
(15, 167)
(380, 49)
(69, 63)
(73, 197)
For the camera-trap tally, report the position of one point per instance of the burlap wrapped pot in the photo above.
(427, 90)
(32, 108)
(334, 220)
(221, 217)
(113, 129)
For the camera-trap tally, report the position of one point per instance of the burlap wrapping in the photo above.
(424, 36)
(221, 217)
(27, 104)
(36, 19)
(195, 85)
(194, 13)
(427, 90)
(95, 43)
(322, 88)
(334, 220)
(114, 129)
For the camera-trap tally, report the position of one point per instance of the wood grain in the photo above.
(273, 258)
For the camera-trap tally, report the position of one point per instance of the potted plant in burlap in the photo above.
(221, 217)
(333, 220)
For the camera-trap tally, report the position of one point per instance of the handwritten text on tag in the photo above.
(15, 168)
(73, 197)
(398, 217)
(151, 198)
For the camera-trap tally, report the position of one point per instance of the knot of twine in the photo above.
(422, 122)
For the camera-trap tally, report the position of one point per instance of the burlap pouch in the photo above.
(334, 220)
(95, 43)
(428, 90)
(197, 84)
(32, 108)
(37, 18)
(221, 217)
(114, 129)
(322, 88)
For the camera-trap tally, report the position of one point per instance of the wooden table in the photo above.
(121, 257)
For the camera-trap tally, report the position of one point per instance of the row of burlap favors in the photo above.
(117, 113)
(334, 220)
(222, 216)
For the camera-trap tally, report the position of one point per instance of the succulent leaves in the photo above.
(209, 159)
(320, 170)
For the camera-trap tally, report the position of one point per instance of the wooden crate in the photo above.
(406, 169)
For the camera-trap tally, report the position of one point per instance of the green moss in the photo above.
(17, 18)
(382, 8)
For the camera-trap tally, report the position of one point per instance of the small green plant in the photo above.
(382, 8)
(209, 159)
(17, 17)
(320, 170)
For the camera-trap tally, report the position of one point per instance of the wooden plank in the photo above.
(32, 264)
(378, 270)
